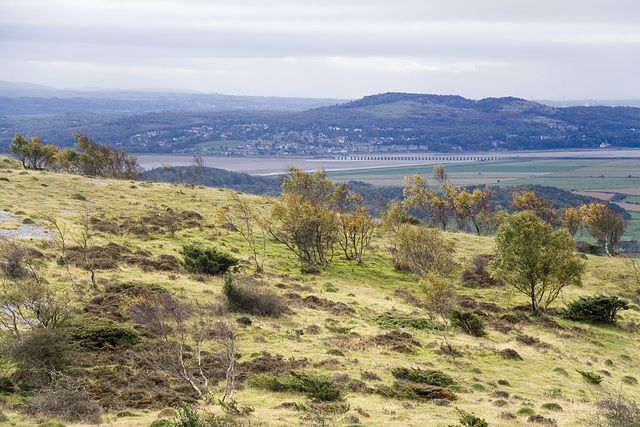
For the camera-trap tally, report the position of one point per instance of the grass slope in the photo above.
(488, 385)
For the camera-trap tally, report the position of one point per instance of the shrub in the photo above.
(409, 390)
(591, 377)
(316, 387)
(200, 260)
(596, 309)
(470, 420)
(561, 371)
(6, 385)
(65, 399)
(470, 323)
(525, 410)
(629, 380)
(161, 423)
(551, 406)
(335, 352)
(249, 299)
(477, 276)
(102, 333)
(422, 376)
(389, 321)
(78, 196)
(168, 413)
(617, 411)
(509, 353)
(41, 352)
(504, 382)
(542, 420)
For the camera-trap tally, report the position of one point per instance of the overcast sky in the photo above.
(534, 49)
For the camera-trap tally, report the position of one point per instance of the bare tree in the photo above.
(60, 231)
(248, 223)
(84, 239)
(185, 332)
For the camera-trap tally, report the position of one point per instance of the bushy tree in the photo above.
(32, 153)
(605, 225)
(536, 260)
(422, 250)
(527, 200)
(303, 218)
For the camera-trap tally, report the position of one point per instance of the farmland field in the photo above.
(567, 174)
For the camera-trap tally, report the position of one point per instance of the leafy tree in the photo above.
(356, 223)
(437, 207)
(605, 225)
(32, 153)
(571, 219)
(527, 200)
(423, 250)
(474, 207)
(437, 296)
(303, 218)
(536, 260)
(101, 160)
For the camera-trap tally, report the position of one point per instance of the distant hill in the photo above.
(26, 99)
(390, 122)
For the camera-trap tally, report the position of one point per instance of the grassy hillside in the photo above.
(340, 323)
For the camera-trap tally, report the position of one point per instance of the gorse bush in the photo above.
(245, 298)
(416, 391)
(201, 260)
(423, 376)
(595, 309)
(470, 323)
(316, 387)
(591, 377)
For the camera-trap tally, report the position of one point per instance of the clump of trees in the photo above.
(312, 216)
(468, 208)
(88, 157)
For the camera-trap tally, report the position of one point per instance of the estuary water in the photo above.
(277, 165)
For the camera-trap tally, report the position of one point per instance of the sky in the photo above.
(532, 49)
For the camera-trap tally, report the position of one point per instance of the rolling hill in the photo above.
(355, 328)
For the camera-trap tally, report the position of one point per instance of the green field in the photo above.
(567, 174)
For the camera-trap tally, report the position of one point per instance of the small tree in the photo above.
(422, 250)
(32, 153)
(536, 260)
(248, 223)
(303, 218)
(437, 296)
(605, 225)
(182, 331)
(527, 200)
